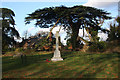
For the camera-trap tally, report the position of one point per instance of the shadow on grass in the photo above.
(9, 63)
(105, 57)
(40, 60)
(101, 61)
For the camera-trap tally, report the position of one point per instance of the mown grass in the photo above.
(74, 65)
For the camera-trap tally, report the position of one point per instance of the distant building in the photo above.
(38, 41)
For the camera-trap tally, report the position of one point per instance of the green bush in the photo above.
(8, 49)
(29, 51)
(98, 46)
(66, 47)
(20, 49)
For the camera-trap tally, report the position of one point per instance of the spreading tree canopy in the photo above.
(74, 18)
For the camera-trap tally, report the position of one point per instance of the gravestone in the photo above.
(57, 56)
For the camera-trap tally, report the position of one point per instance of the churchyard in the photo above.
(44, 55)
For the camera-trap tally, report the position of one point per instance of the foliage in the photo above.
(44, 42)
(8, 49)
(98, 46)
(78, 45)
(8, 30)
(29, 51)
(41, 43)
(19, 49)
(114, 33)
(73, 18)
(38, 42)
(94, 36)
(65, 48)
(47, 43)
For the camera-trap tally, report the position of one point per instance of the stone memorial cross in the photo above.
(57, 56)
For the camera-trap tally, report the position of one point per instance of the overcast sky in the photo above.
(25, 7)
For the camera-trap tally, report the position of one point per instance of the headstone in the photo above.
(57, 56)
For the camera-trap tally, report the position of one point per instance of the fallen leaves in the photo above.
(93, 70)
(108, 65)
(114, 74)
(108, 72)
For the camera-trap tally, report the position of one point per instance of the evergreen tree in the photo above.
(114, 33)
(74, 18)
(8, 30)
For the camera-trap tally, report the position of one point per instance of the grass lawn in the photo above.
(75, 65)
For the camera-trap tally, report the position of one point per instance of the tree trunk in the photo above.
(75, 31)
(83, 32)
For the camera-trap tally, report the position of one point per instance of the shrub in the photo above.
(8, 49)
(29, 51)
(98, 46)
(21, 50)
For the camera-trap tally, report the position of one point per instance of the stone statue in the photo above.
(57, 56)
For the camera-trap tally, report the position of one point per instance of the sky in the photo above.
(23, 7)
